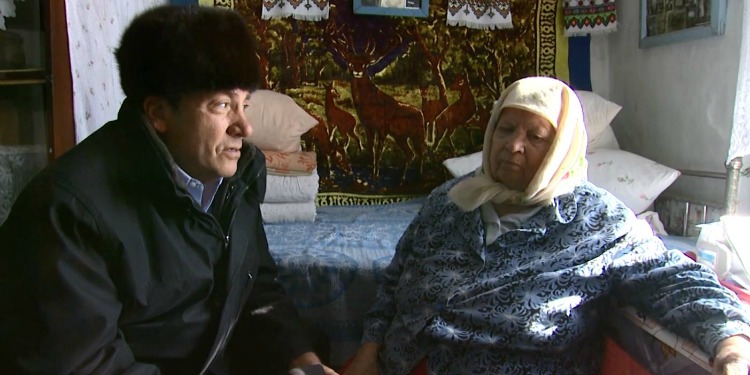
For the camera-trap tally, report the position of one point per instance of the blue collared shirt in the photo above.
(202, 194)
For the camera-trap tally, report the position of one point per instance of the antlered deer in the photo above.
(379, 113)
(455, 114)
(339, 118)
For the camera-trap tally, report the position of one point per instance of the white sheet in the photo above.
(288, 212)
(292, 189)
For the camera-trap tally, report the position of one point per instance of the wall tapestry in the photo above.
(395, 96)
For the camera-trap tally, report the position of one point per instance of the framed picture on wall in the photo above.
(673, 21)
(404, 8)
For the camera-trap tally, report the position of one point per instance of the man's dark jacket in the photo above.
(108, 266)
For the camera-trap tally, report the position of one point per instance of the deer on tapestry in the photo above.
(329, 151)
(380, 114)
(456, 114)
(339, 118)
(431, 108)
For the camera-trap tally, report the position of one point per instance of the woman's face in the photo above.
(519, 144)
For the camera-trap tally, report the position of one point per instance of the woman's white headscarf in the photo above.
(565, 163)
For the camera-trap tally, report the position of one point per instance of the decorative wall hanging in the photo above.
(480, 14)
(589, 17)
(672, 21)
(403, 8)
(395, 96)
(304, 10)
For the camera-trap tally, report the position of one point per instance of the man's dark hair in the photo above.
(170, 51)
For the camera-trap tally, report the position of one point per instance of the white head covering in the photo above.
(565, 163)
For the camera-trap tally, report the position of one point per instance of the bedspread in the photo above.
(331, 267)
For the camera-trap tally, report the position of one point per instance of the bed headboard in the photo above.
(680, 215)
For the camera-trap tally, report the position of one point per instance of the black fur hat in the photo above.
(170, 51)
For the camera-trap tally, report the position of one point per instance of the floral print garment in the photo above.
(531, 301)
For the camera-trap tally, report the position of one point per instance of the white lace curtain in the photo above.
(94, 31)
(739, 144)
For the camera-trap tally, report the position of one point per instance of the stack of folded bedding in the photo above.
(291, 187)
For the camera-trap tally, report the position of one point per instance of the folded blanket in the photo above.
(291, 189)
(288, 212)
(290, 163)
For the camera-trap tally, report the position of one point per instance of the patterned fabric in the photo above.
(394, 97)
(480, 14)
(331, 267)
(589, 17)
(531, 302)
(633, 179)
(306, 10)
(290, 163)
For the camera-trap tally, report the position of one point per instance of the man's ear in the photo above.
(157, 111)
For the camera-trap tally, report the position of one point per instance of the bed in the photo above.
(331, 266)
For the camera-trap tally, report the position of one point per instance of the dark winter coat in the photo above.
(108, 266)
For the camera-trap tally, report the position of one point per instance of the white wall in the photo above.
(94, 32)
(678, 99)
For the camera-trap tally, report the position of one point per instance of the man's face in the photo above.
(204, 134)
(520, 142)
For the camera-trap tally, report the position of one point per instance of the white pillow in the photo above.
(597, 113)
(605, 140)
(277, 121)
(463, 164)
(633, 179)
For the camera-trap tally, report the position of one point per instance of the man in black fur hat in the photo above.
(142, 250)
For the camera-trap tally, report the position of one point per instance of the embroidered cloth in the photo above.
(306, 10)
(589, 17)
(480, 14)
(300, 163)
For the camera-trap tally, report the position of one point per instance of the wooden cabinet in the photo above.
(36, 110)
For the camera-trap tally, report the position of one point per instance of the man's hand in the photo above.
(311, 358)
(732, 356)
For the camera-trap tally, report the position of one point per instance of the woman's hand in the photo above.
(311, 358)
(732, 356)
(365, 362)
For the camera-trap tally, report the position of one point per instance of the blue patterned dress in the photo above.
(531, 301)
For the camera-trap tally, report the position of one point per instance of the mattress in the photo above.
(331, 267)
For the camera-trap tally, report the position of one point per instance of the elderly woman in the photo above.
(506, 271)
